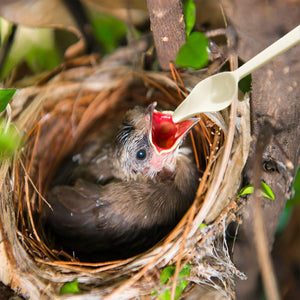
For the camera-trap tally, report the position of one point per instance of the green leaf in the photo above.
(5, 97)
(166, 273)
(169, 271)
(248, 189)
(178, 291)
(180, 288)
(267, 191)
(70, 288)
(108, 30)
(34, 45)
(185, 271)
(202, 225)
(36, 59)
(166, 295)
(10, 140)
(189, 8)
(194, 53)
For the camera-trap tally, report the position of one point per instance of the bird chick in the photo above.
(129, 196)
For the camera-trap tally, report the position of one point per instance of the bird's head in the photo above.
(148, 143)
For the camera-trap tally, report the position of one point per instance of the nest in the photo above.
(58, 115)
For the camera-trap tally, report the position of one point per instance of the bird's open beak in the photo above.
(165, 135)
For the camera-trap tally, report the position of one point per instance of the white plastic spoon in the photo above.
(218, 91)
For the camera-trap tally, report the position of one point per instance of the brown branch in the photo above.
(260, 236)
(274, 98)
(167, 24)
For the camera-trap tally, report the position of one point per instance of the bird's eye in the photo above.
(141, 154)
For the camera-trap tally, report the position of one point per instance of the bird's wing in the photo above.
(90, 217)
(98, 170)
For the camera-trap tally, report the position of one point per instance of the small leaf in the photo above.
(248, 189)
(185, 271)
(194, 53)
(5, 97)
(166, 295)
(10, 140)
(178, 291)
(189, 8)
(202, 225)
(267, 191)
(180, 288)
(36, 46)
(70, 288)
(166, 273)
(109, 31)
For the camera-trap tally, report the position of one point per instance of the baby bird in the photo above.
(126, 198)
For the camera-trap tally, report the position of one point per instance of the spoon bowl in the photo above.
(218, 91)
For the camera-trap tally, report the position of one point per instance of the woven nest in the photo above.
(59, 115)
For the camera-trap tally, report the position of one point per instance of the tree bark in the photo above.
(168, 26)
(275, 98)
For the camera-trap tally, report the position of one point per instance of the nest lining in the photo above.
(52, 137)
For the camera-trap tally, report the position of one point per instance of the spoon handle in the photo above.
(283, 44)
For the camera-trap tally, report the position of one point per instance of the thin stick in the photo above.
(260, 236)
(157, 85)
(179, 257)
(195, 150)
(175, 80)
(27, 177)
(263, 254)
(29, 209)
(176, 76)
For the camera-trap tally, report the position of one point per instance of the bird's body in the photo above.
(127, 197)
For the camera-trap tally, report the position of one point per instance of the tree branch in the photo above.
(274, 98)
(168, 27)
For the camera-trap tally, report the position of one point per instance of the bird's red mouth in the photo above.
(167, 135)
